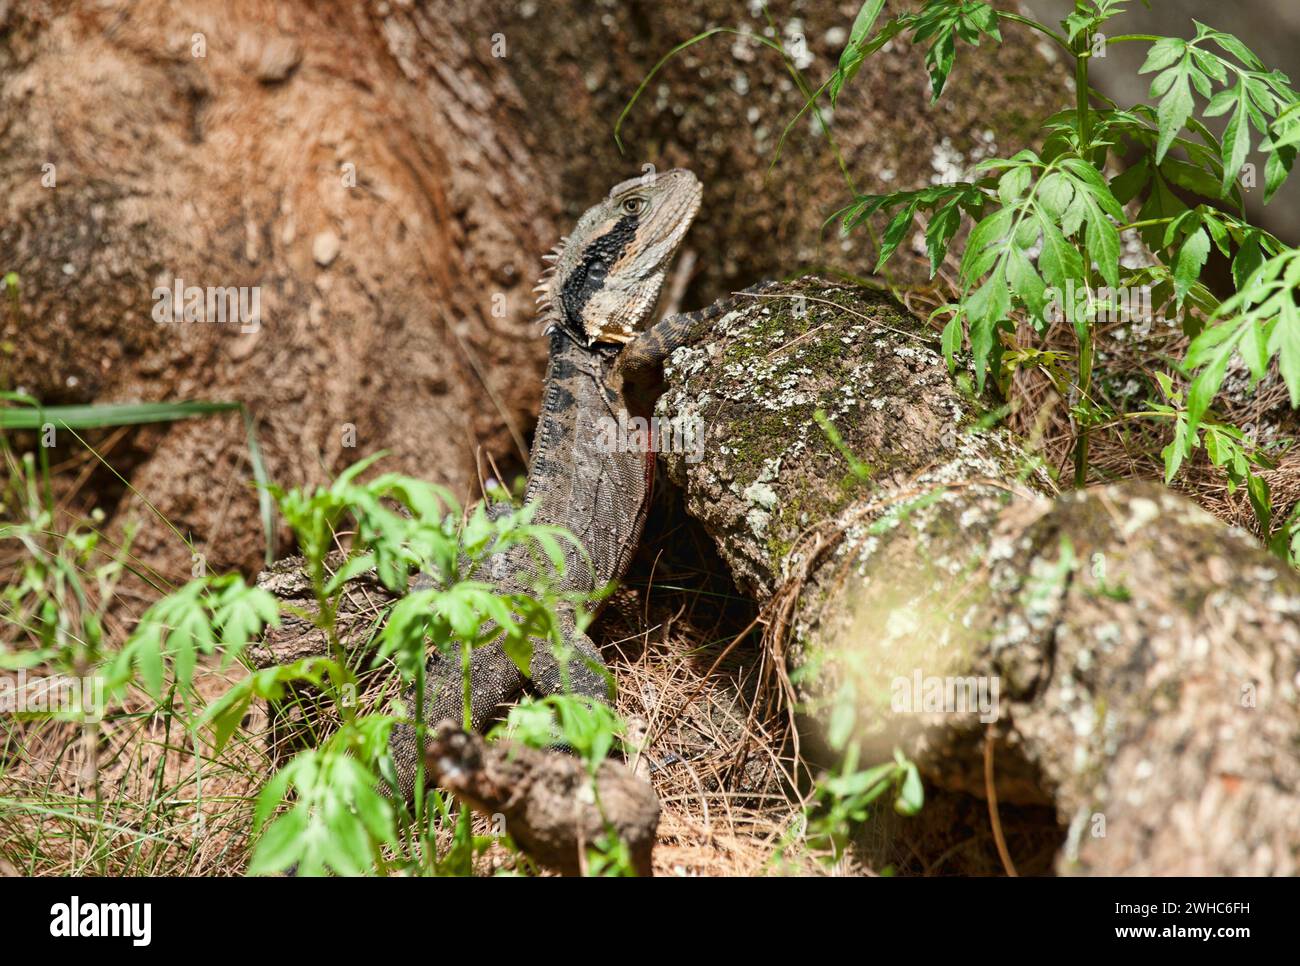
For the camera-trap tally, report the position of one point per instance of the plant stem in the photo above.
(1082, 52)
(1145, 223)
(1148, 38)
(1034, 25)
(467, 687)
(1083, 47)
(430, 848)
(1081, 438)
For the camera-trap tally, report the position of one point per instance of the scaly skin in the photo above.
(606, 279)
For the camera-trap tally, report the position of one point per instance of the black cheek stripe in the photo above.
(588, 277)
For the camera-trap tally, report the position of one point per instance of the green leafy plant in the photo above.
(339, 821)
(1046, 226)
(65, 586)
(63, 582)
(205, 616)
(1048, 222)
(842, 800)
(331, 809)
(401, 525)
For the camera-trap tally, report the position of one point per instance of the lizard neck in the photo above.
(576, 479)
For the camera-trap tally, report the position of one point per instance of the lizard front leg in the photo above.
(494, 681)
(639, 368)
(584, 671)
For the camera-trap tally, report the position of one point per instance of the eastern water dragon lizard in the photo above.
(604, 364)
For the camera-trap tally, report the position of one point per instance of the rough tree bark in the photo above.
(553, 809)
(1147, 656)
(388, 175)
(364, 171)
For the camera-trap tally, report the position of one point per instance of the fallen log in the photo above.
(553, 808)
(1117, 652)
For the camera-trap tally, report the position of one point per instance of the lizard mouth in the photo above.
(681, 216)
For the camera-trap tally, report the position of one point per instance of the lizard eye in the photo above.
(633, 206)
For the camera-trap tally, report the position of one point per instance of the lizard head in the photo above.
(607, 273)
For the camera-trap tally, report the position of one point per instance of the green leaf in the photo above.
(1177, 449)
(1025, 282)
(1161, 203)
(1217, 229)
(1075, 214)
(1255, 350)
(148, 658)
(1210, 64)
(1127, 185)
(1207, 382)
(1055, 192)
(842, 722)
(103, 415)
(1285, 129)
(1191, 259)
(1014, 183)
(354, 567)
(1236, 143)
(227, 715)
(854, 54)
(940, 231)
(279, 846)
(870, 782)
(1173, 110)
(984, 309)
(939, 59)
(952, 339)
(911, 796)
(1285, 342)
(1276, 169)
(1260, 500)
(270, 797)
(896, 232)
(1059, 262)
(1103, 243)
(1233, 46)
(1190, 177)
(1162, 54)
(1026, 234)
(868, 13)
(1222, 102)
(242, 615)
(520, 651)
(982, 245)
(356, 469)
(1095, 185)
(941, 23)
(1249, 257)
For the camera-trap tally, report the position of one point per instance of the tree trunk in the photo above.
(365, 174)
(1139, 659)
(386, 176)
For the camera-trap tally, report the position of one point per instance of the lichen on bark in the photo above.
(1142, 656)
